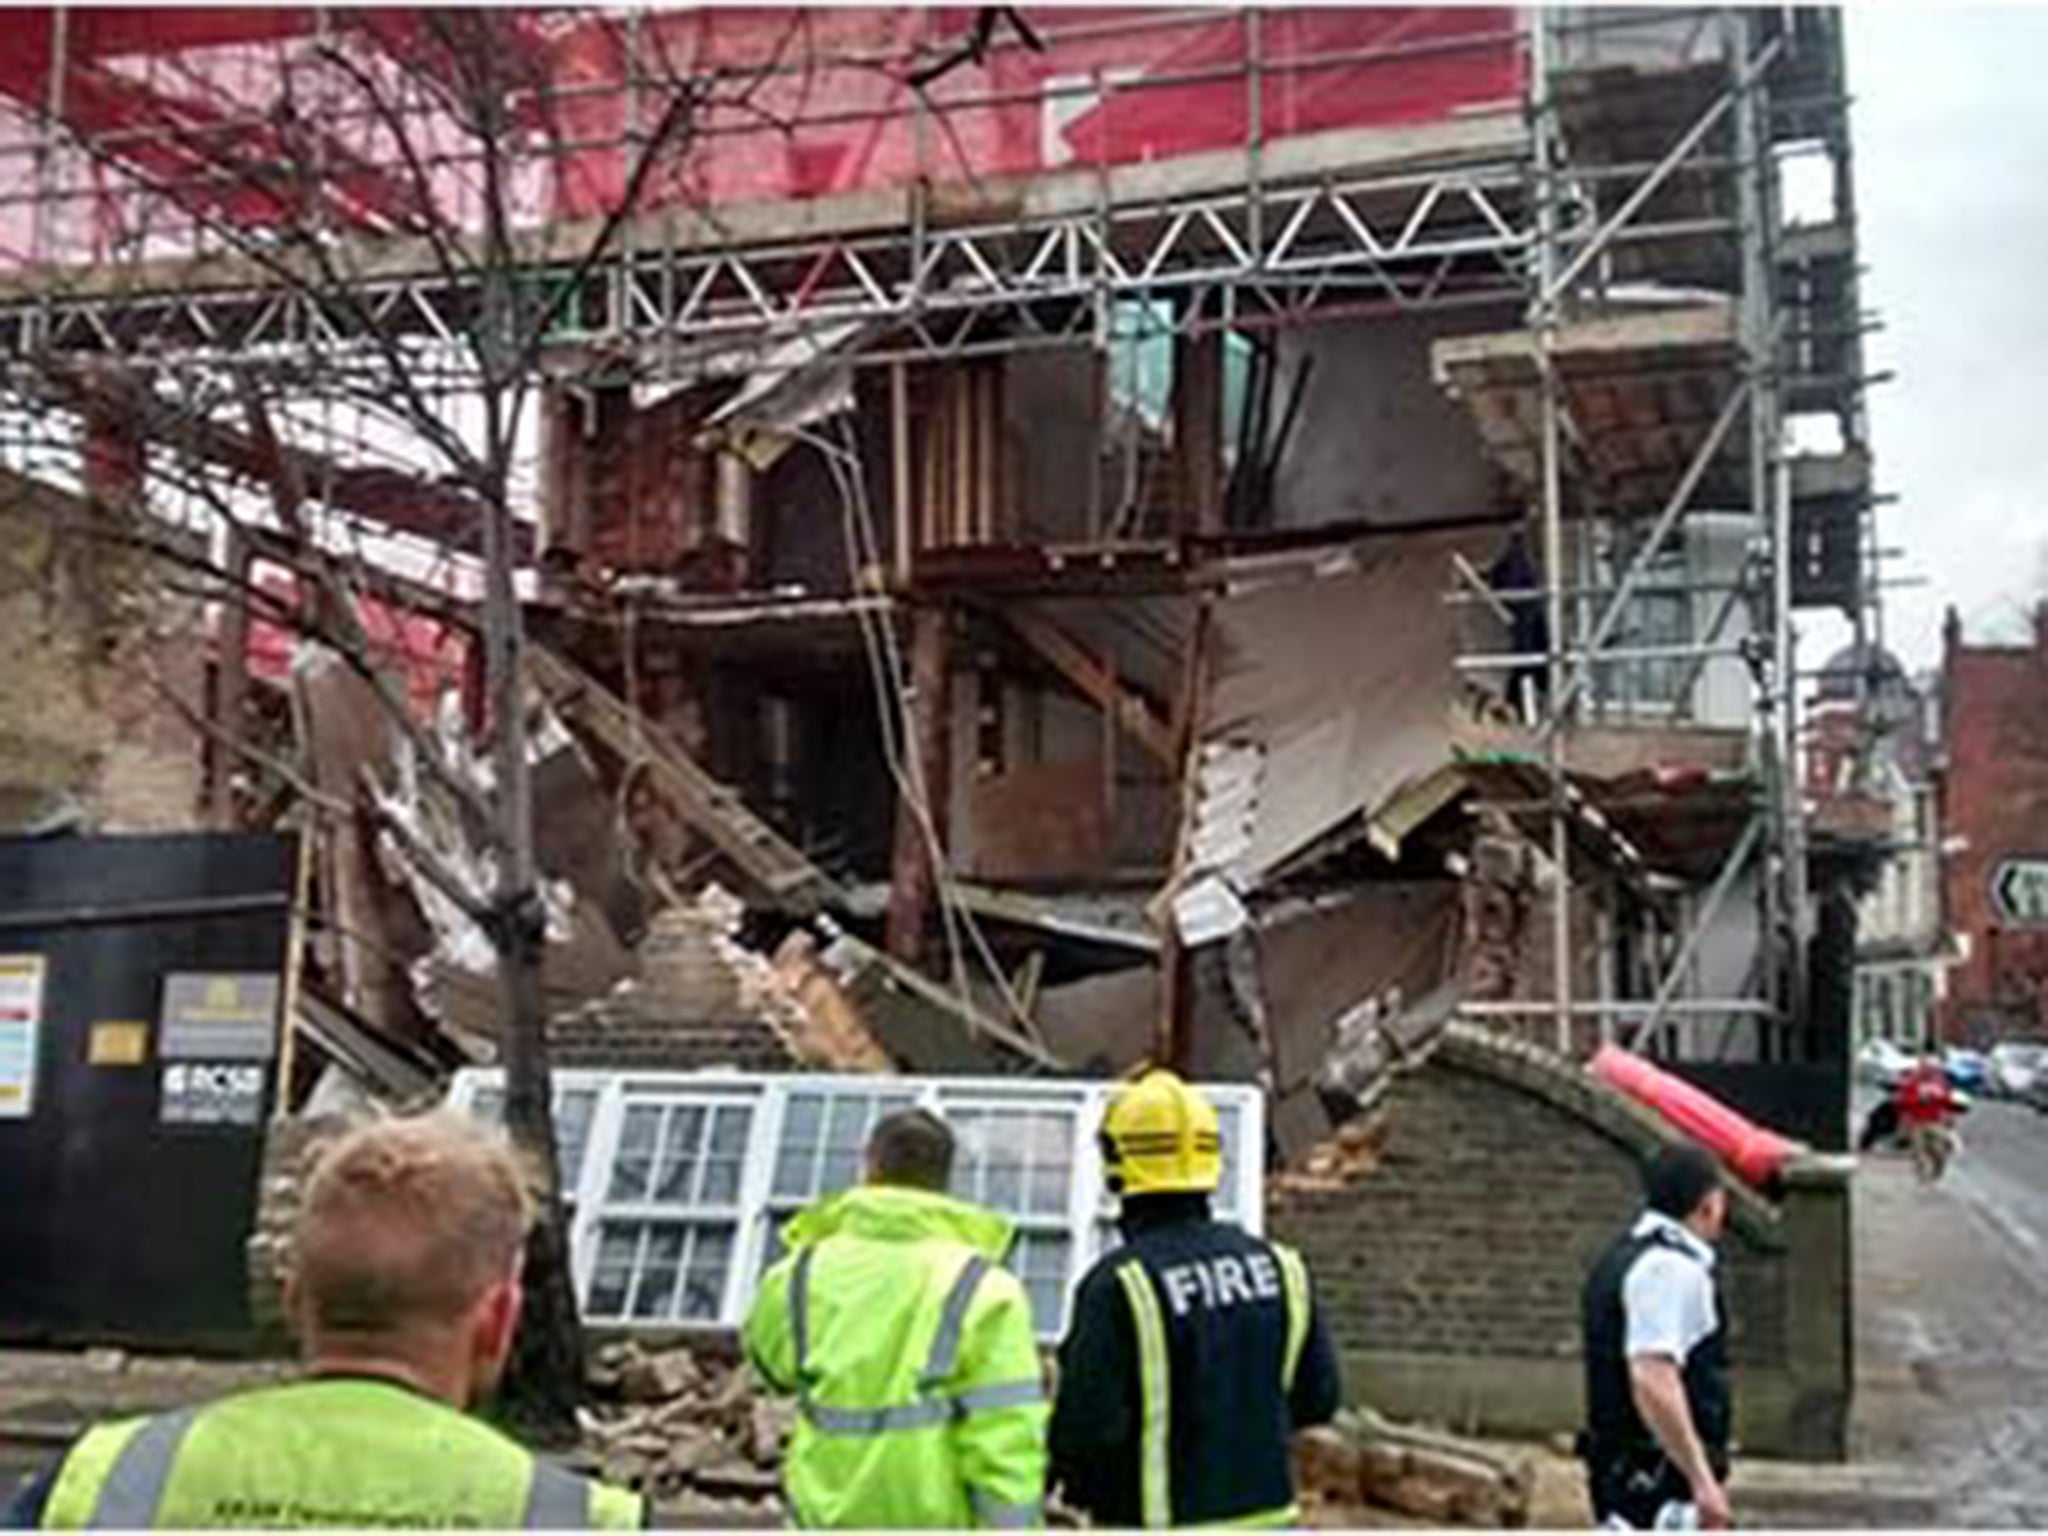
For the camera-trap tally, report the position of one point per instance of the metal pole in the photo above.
(1674, 509)
(1673, 157)
(1783, 893)
(1724, 882)
(1545, 318)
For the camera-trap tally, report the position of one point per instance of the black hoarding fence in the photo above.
(141, 1000)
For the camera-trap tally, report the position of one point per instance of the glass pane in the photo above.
(488, 1105)
(721, 1181)
(573, 1112)
(1047, 1192)
(794, 1167)
(846, 1122)
(680, 1149)
(841, 1171)
(771, 1246)
(1228, 1125)
(801, 1117)
(1005, 1185)
(729, 1129)
(660, 1266)
(1040, 1261)
(704, 1285)
(613, 1272)
(634, 1162)
(796, 1159)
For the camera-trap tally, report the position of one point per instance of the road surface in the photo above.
(1953, 1323)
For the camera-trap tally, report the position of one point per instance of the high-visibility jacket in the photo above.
(1194, 1353)
(330, 1451)
(910, 1351)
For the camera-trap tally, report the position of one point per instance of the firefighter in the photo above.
(1656, 1353)
(909, 1349)
(405, 1290)
(1195, 1350)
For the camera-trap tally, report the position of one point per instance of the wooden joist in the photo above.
(775, 866)
(1098, 683)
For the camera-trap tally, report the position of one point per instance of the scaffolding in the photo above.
(1618, 174)
(1655, 389)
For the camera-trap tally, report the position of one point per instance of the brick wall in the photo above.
(1994, 807)
(1451, 1271)
(77, 622)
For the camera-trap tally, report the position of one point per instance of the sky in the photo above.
(1950, 137)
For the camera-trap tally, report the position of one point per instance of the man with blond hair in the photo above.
(404, 1290)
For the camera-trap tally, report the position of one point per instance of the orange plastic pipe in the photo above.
(1754, 1153)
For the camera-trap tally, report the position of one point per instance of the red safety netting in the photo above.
(174, 117)
(430, 655)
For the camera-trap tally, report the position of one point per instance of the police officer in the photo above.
(1657, 1400)
(404, 1288)
(1195, 1349)
(920, 1393)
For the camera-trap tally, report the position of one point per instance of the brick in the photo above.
(1473, 1234)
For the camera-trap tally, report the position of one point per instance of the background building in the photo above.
(1994, 821)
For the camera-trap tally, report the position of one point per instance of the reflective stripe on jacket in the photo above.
(341, 1451)
(1194, 1353)
(911, 1353)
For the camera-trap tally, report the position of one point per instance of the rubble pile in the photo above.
(1363, 1460)
(688, 1429)
(1351, 1153)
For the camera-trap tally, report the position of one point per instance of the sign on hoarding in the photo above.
(21, 1027)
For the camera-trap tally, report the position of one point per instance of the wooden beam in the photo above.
(1198, 430)
(913, 871)
(230, 691)
(1097, 682)
(774, 865)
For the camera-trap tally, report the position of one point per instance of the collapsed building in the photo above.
(1267, 540)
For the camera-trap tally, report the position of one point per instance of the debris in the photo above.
(685, 1426)
(1439, 1478)
(658, 1378)
(818, 1018)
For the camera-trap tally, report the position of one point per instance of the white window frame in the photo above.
(1083, 1220)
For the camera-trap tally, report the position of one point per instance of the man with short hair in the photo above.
(1658, 1407)
(404, 1289)
(908, 1347)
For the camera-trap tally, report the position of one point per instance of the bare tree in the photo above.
(428, 140)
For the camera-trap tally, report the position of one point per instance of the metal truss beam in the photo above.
(1414, 241)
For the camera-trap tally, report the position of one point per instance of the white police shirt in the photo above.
(1668, 1293)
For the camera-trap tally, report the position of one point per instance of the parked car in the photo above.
(1882, 1064)
(2019, 1069)
(1968, 1070)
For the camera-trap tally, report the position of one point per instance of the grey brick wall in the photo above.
(1498, 1185)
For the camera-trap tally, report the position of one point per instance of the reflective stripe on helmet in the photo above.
(1155, 1391)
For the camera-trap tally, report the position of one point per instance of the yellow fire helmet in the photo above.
(1159, 1136)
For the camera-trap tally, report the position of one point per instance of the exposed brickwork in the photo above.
(594, 1040)
(1994, 806)
(77, 626)
(1473, 1234)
